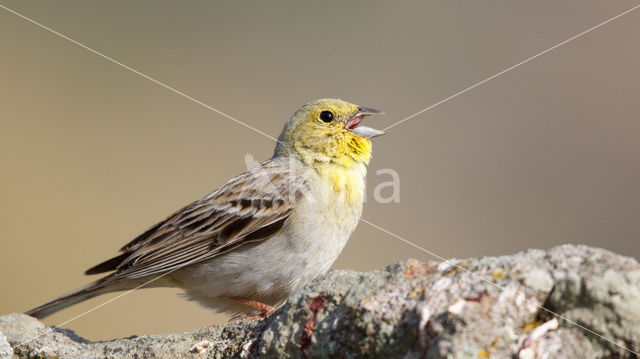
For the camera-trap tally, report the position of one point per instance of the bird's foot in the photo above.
(264, 309)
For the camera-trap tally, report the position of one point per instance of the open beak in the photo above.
(354, 126)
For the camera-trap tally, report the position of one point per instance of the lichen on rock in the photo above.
(568, 302)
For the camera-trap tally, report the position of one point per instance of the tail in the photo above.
(101, 286)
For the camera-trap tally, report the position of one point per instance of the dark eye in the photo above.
(326, 116)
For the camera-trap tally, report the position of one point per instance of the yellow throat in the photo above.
(326, 135)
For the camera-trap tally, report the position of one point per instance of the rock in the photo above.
(5, 347)
(568, 302)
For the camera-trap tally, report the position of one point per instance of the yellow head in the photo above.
(328, 131)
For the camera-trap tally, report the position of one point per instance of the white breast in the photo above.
(271, 270)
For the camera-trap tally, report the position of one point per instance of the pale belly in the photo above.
(271, 270)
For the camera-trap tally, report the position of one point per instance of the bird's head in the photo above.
(328, 130)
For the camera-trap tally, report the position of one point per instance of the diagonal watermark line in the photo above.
(511, 68)
(501, 288)
(139, 73)
(50, 329)
(271, 137)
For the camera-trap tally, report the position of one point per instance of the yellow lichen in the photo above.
(498, 274)
(415, 293)
(531, 326)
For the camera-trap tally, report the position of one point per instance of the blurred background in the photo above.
(93, 154)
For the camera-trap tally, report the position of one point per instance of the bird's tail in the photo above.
(94, 289)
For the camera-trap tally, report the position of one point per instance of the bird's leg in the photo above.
(264, 309)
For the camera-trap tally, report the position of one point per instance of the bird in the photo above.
(248, 245)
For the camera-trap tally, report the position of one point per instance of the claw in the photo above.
(264, 309)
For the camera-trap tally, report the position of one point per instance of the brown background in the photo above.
(93, 154)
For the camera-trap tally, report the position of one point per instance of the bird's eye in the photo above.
(326, 116)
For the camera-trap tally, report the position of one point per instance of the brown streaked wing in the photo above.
(250, 207)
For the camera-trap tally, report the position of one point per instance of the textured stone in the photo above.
(5, 347)
(489, 307)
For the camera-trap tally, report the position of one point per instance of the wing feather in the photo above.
(250, 207)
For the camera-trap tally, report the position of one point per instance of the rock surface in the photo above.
(568, 302)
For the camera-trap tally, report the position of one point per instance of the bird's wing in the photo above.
(250, 207)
